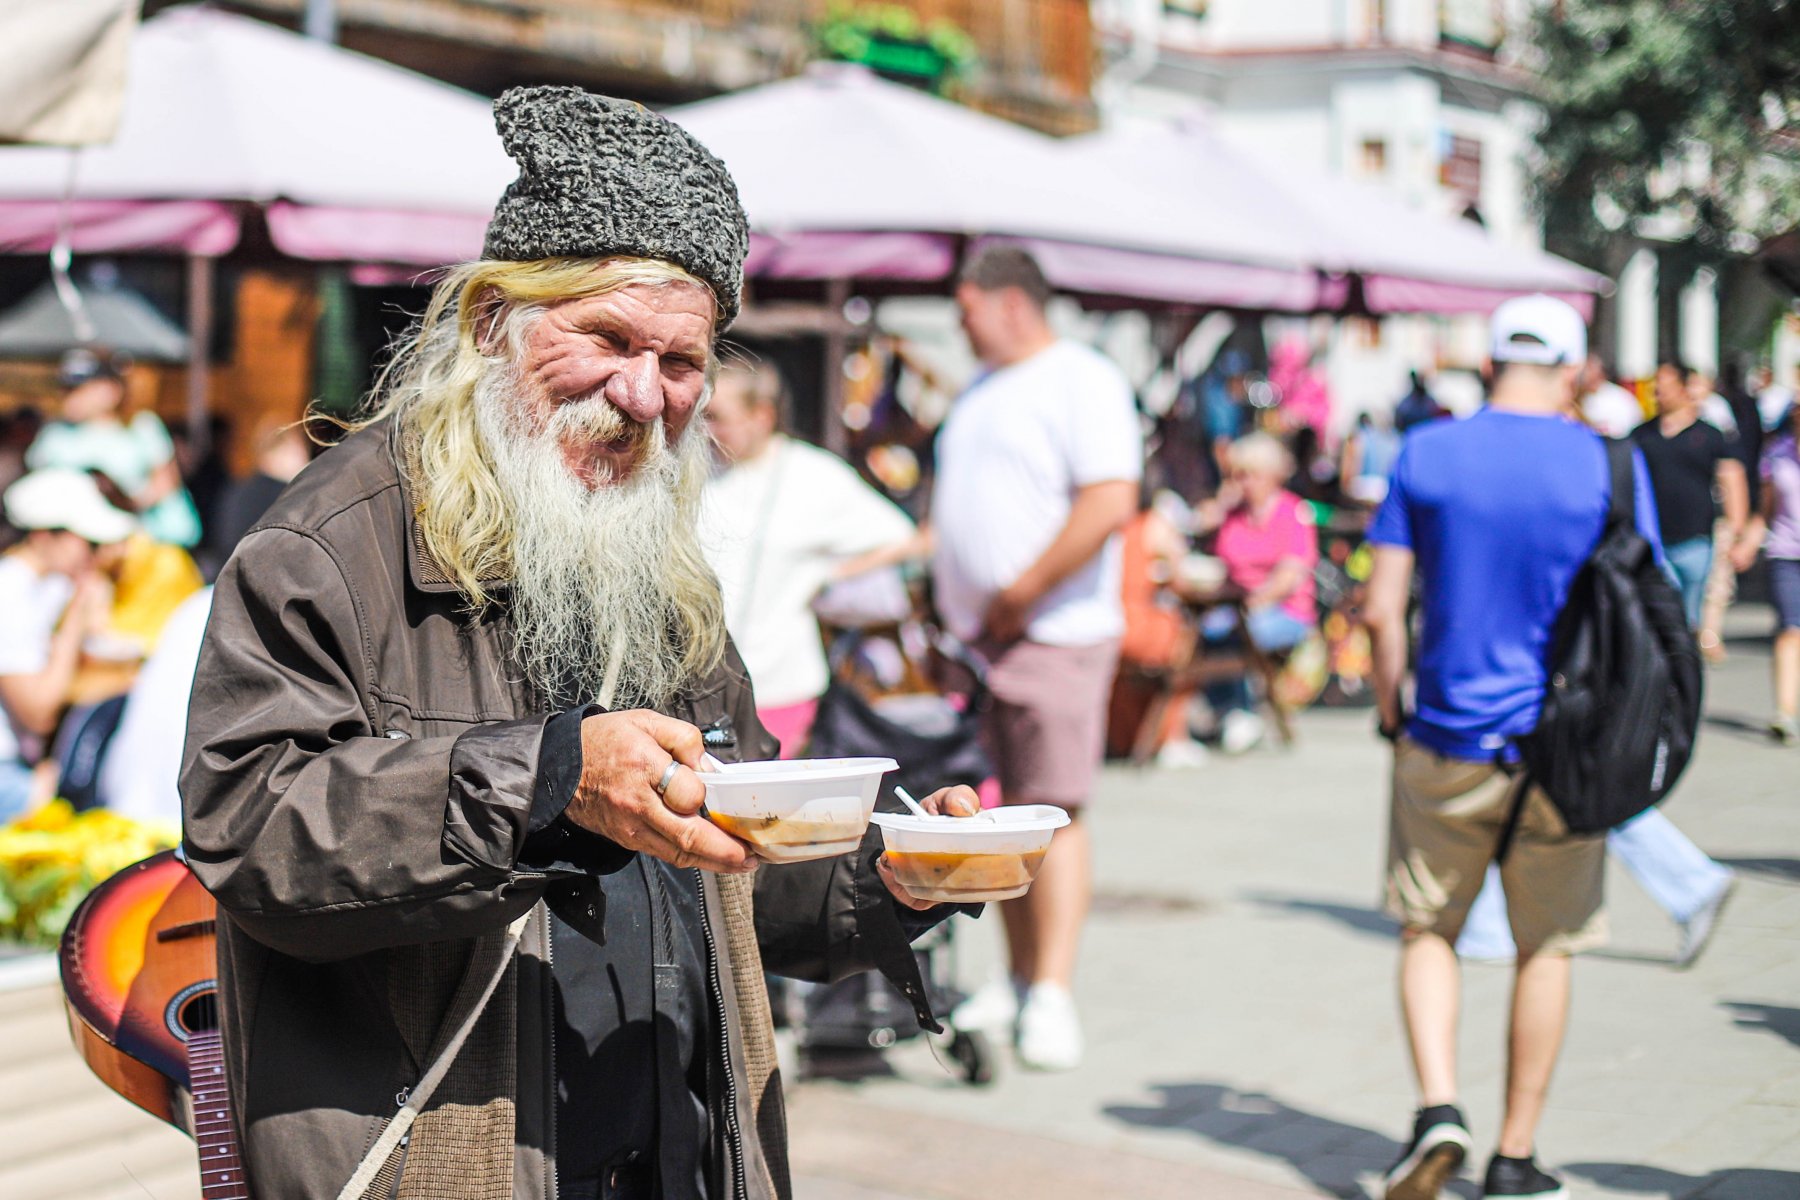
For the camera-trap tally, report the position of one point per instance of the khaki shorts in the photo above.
(1045, 729)
(1446, 825)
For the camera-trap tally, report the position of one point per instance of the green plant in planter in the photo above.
(890, 39)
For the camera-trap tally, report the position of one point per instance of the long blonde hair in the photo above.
(428, 389)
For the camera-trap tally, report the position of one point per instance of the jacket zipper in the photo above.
(553, 1176)
(733, 1132)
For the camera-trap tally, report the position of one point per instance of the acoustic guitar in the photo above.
(138, 980)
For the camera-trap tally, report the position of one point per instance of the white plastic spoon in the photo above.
(918, 810)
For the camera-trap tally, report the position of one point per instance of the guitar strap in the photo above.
(473, 1006)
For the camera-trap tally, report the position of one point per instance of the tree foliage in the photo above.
(1678, 119)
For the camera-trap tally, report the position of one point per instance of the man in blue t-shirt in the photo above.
(1496, 514)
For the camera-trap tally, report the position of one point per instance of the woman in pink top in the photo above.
(1270, 547)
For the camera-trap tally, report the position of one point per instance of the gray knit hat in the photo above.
(600, 176)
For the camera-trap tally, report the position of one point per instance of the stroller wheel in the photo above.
(974, 1053)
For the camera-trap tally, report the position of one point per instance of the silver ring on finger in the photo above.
(668, 777)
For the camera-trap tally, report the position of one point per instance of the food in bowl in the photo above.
(938, 875)
(966, 860)
(788, 832)
(792, 810)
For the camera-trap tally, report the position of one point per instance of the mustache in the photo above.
(594, 420)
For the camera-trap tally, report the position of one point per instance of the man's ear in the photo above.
(487, 313)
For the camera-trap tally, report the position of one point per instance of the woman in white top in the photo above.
(51, 599)
(784, 520)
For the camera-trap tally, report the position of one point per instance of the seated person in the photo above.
(1269, 546)
(1158, 637)
(149, 580)
(51, 600)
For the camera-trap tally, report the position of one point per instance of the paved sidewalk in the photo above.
(1238, 988)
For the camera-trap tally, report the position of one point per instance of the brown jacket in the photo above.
(360, 767)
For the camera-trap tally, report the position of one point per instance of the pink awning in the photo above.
(1388, 294)
(374, 235)
(204, 227)
(834, 255)
(1108, 271)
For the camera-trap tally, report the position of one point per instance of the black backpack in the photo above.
(1622, 704)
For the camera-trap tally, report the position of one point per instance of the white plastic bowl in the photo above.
(796, 809)
(962, 860)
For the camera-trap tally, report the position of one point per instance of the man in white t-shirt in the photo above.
(1612, 410)
(51, 599)
(1038, 468)
(782, 522)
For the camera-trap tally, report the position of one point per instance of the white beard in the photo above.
(594, 598)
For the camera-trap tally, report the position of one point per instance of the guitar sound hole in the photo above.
(199, 1013)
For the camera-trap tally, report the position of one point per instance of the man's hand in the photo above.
(1384, 612)
(623, 756)
(958, 801)
(1098, 511)
(1008, 613)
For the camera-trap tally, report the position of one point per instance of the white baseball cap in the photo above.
(1538, 329)
(58, 498)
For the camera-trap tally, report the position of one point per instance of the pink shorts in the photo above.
(1046, 728)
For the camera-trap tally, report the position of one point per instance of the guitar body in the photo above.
(138, 972)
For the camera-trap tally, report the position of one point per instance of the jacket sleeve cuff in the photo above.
(551, 839)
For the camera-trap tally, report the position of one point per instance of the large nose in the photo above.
(636, 388)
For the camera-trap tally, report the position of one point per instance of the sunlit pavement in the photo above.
(1238, 991)
(1238, 994)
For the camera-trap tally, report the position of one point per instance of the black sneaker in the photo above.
(1521, 1179)
(1439, 1144)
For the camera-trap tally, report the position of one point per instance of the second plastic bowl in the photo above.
(959, 860)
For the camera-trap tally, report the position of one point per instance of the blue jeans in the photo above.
(1676, 873)
(1270, 628)
(1690, 562)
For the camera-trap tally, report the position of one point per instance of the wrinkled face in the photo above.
(740, 427)
(94, 399)
(641, 353)
(984, 319)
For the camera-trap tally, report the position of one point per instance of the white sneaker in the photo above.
(1182, 754)
(1049, 1030)
(1240, 731)
(993, 1009)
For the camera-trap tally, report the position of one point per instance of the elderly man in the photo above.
(478, 940)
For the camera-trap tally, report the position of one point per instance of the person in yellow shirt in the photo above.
(150, 580)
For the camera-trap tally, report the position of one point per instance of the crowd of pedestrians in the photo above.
(1061, 557)
(105, 554)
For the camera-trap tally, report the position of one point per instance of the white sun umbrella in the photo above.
(1408, 260)
(351, 158)
(845, 175)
